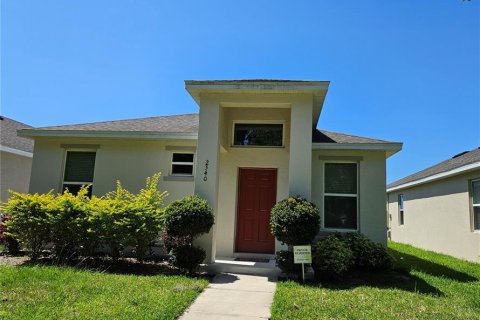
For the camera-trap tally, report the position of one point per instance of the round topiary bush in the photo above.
(188, 217)
(295, 221)
(331, 258)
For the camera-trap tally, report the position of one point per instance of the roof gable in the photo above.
(9, 137)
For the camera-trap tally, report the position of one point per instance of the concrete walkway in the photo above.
(234, 296)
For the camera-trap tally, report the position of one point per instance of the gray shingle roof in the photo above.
(324, 136)
(458, 161)
(8, 135)
(184, 123)
(188, 123)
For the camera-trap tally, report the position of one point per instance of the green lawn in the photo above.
(427, 286)
(66, 293)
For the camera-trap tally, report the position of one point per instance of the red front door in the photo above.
(257, 194)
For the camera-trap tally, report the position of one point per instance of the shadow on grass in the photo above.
(383, 280)
(126, 266)
(405, 262)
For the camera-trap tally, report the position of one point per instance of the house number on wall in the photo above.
(205, 178)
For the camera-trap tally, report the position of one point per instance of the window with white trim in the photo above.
(341, 196)
(182, 164)
(476, 204)
(401, 210)
(79, 168)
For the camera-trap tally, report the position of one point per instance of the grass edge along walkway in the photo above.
(45, 292)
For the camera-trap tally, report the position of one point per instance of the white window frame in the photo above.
(172, 163)
(401, 211)
(234, 122)
(473, 205)
(65, 168)
(346, 195)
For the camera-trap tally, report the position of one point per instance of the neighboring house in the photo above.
(253, 143)
(15, 158)
(439, 208)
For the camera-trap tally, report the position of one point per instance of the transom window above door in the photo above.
(258, 134)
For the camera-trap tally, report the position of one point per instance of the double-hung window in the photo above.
(401, 211)
(182, 164)
(341, 196)
(79, 168)
(476, 204)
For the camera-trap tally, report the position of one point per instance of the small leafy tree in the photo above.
(186, 219)
(295, 221)
(30, 221)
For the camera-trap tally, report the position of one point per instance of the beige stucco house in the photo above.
(439, 208)
(253, 143)
(15, 158)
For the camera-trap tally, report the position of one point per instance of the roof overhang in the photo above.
(32, 133)
(438, 176)
(390, 148)
(17, 152)
(318, 89)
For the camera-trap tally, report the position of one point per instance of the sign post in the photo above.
(302, 255)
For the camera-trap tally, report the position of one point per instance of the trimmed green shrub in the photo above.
(11, 244)
(188, 217)
(30, 221)
(141, 215)
(75, 224)
(68, 214)
(284, 259)
(366, 253)
(331, 258)
(171, 242)
(295, 221)
(188, 258)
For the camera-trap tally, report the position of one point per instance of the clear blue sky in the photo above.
(400, 70)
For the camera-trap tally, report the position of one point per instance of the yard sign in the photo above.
(302, 254)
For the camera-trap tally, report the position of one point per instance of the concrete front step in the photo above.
(229, 265)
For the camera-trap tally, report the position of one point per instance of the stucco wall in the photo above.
(372, 220)
(14, 174)
(437, 217)
(130, 161)
(233, 158)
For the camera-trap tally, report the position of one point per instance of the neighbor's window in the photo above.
(341, 196)
(401, 216)
(79, 167)
(476, 204)
(264, 135)
(182, 163)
